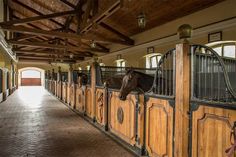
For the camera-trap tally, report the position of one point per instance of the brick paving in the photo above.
(34, 123)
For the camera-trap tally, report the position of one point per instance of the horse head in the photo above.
(129, 83)
(82, 79)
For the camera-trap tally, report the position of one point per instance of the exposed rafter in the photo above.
(81, 54)
(37, 18)
(35, 11)
(53, 46)
(87, 25)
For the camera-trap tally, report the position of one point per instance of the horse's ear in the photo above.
(128, 70)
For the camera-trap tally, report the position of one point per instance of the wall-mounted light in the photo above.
(141, 20)
(93, 44)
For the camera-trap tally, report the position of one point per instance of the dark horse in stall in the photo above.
(134, 80)
(114, 82)
(82, 79)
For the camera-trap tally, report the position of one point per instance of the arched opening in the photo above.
(31, 76)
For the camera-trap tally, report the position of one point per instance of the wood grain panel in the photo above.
(59, 90)
(68, 91)
(88, 102)
(80, 99)
(211, 131)
(101, 108)
(126, 129)
(159, 125)
(64, 91)
(72, 95)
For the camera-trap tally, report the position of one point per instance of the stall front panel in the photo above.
(159, 127)
(80, 99)
(101, 106)
(126, 118)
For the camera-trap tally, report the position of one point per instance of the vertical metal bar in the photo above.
(212, 70)
(174, 71)
(169, 74)
(205, 76)
(192, 72)
(166, 78)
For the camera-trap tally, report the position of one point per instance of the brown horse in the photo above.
(82, 79)
(113, 82)
(134, 80)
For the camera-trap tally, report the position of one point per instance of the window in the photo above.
(152, 60)
(101, 64)
(88, 67)
(227, 49)
(120, 63)
(218, 50)
(30, 74)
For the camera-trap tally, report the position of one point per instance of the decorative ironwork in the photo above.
(107, 72)
(164, 82)
(120, 115)
(213, 77)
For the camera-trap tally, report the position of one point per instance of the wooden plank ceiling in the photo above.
(53, 30)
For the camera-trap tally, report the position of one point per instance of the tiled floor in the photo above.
(34, 123)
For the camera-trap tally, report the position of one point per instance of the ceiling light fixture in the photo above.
(93, 44)
(142, 20)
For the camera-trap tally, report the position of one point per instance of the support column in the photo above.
(182, 94)
(69, 82)
(94, 68)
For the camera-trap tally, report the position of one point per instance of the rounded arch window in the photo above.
(224, 48)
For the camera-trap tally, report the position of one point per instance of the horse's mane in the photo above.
(141, 73)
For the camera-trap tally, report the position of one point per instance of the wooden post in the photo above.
(69, 82)
(4, 84)
(182, 93)
(93, 88)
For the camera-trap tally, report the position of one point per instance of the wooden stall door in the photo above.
(88, 102)
(101, 108)
(72, 95)
(211, 128)
(64, 92)
(67, 93)
(122, 117)
(80, 99)
(159, 128)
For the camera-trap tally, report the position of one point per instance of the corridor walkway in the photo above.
(34, 123)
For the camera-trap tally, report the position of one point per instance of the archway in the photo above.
(31, 76)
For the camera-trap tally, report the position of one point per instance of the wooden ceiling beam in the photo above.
(97, 19)
(37, 18)
(81, 54)
(41, 32)
(68, 3)
(49, 57)
(62, 35)
(51, 46)
(35, 11)
(124, 37)
(23, 37)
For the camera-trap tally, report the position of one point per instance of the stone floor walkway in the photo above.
(34, 123)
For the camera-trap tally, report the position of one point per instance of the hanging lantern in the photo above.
(141, 20)
(93, 44)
